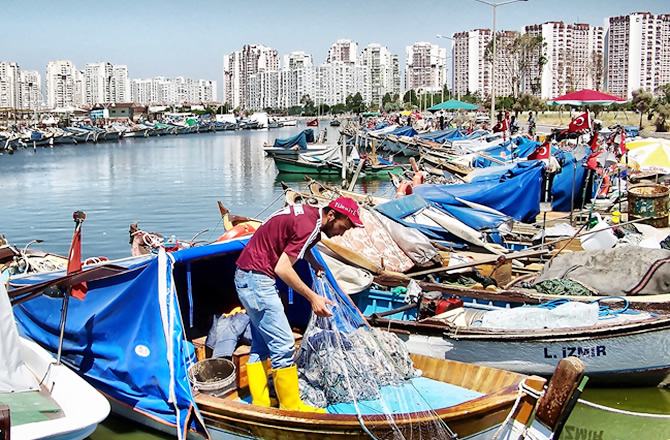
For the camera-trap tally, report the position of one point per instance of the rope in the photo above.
(271, 203)
(621, 411)
(522, 388)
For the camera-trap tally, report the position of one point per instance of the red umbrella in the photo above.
(586, 97)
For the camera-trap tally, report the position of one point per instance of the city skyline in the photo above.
(165, 39)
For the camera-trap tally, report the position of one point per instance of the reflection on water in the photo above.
(167, 184)
(171, 185)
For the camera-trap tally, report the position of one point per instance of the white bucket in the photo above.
(212, 376)
(603, 238)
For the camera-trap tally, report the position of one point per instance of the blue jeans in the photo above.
(271, 334)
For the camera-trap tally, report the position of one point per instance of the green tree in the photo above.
(355, 103)
(519, 56)
(662, 117)
(642, 101)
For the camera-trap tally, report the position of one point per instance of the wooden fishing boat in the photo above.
(627, 349)
(153, 304)
(481, 418)
(327, 167)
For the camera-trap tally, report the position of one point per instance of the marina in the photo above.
(171, 185)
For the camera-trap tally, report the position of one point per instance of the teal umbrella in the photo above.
(452, 104)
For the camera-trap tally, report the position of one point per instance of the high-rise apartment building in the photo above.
(297, 79)
(343, 51)
(383, 71)
(31, 90)
(61, 84)
(638, 53)
(238, 68)
(425, 67)
(574, 56)
(106, 83)
(10, 92)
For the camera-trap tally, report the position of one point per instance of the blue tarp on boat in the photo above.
(301, 139)
(403, 131)
(515, 193)
(124, 342)
(451, 134)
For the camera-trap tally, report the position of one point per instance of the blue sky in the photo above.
(189, 38)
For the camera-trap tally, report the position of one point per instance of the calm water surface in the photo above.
(171, 185)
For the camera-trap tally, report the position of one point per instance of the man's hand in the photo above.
(320, 306)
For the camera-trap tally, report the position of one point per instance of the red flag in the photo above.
(622, 144)
(313, 123)
(74, 257)
(581, 122)
(500, 126)
(542, 152)
(594, 142)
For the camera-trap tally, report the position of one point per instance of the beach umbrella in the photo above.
(651, 154)
(586, 97)
(452, 104)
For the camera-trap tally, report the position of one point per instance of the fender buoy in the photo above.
(404, 189)
(237, 231)
(418, 179)
(606, 186)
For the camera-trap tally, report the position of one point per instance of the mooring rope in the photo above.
(622, 411)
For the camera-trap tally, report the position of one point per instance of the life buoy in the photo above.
(237, 231)
(404, 189)
(419, 178)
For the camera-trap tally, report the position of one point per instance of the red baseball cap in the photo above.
(348, 207)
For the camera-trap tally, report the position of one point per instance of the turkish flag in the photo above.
(313, 123)
(581, 122)
(542, 152)
(500, 126)
(74, 263)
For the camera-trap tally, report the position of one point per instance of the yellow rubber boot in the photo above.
(286, 385)
(258, 384)
(268, 370)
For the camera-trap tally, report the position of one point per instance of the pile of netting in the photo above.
(343, 361)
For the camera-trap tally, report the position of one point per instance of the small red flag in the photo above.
(74, 259)
(313, 123)
(542, 152)
(500, 126)
(622, 144)
(594, 142)
(581, 122)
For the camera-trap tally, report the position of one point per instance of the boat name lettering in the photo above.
(574, 433)
(580, 352)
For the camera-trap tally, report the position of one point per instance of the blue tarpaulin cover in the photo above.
(515, 193)
(451, 134)
(403, 131)
(301, 139)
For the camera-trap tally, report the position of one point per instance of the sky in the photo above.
(173, 38)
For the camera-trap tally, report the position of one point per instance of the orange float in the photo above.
(237, 231)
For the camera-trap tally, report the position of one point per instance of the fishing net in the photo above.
(350, 368)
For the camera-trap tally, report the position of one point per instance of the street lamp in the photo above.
(493, 67)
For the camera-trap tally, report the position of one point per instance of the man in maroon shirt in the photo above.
(286, 236)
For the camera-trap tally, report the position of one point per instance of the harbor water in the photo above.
(171, 185)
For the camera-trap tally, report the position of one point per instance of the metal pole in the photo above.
(493, 70)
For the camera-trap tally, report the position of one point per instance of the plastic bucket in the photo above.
(214, 376)
(649, 201)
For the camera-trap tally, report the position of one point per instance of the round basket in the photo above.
(212, 376)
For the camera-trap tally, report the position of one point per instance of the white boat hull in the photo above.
(84, 407)
(639, 357)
